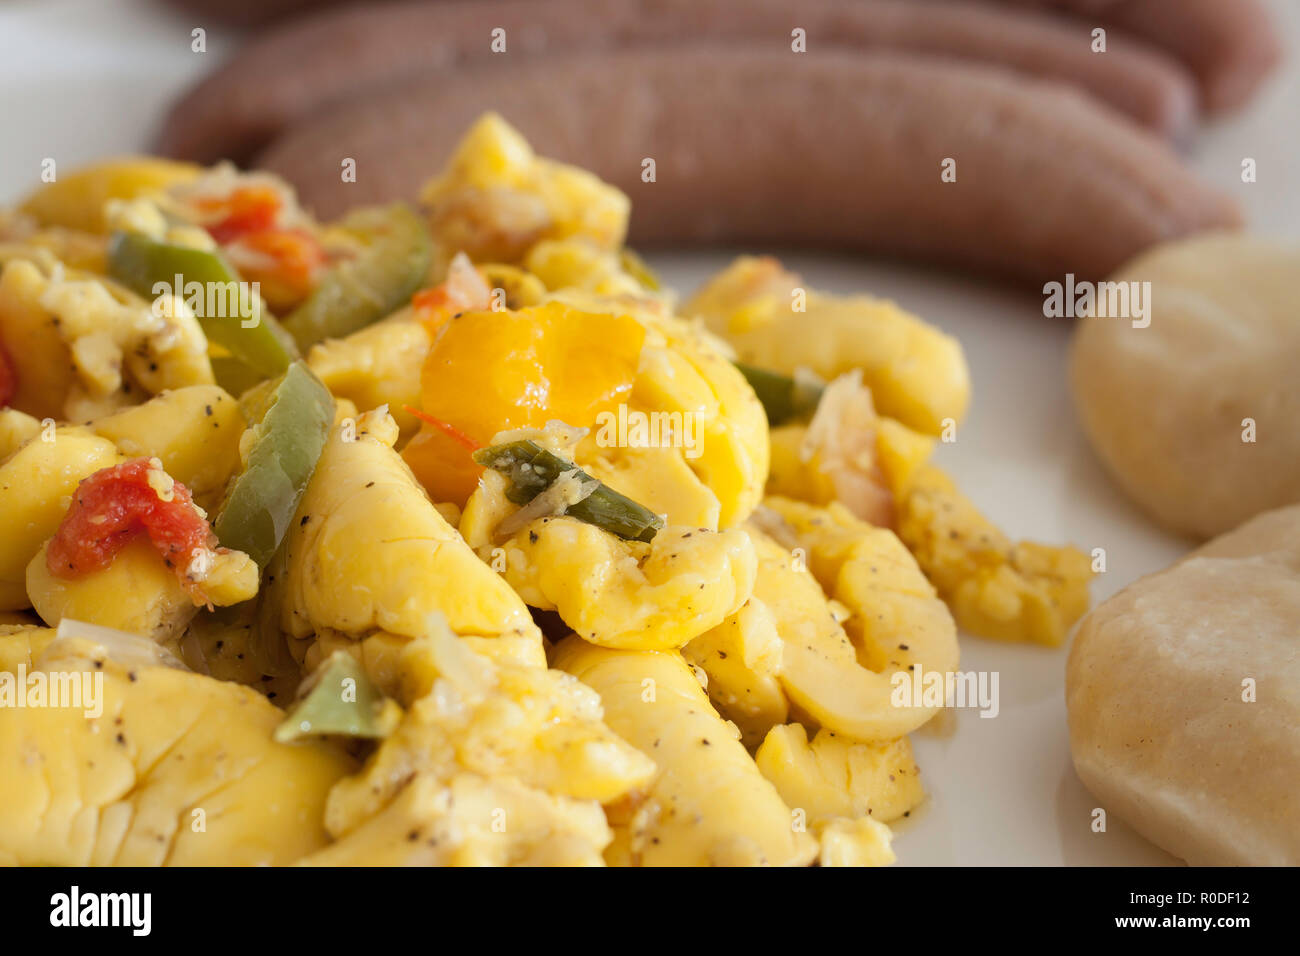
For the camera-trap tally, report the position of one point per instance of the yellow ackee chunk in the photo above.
(124, 787)
(510, 764)
(98, 346)
(16, 429)
(27, 331)
(22, 645)
(84, 251)
(77, 199)
(708, 805)
(473, 821)
(800, 472)
(580, 263)
(194, 431)
(916, 373)
(36, 487)
(136, 593)
(895, 620)
(657, 478)
(368, 551)
(742, 658)
(497, 198)
(691, 374)
(835, 776)
(613, 592)
(379, 364)
(860, 842)
(1012, 592)
(685, 370)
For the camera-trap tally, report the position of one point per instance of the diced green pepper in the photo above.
(263, 497)
(532, 469)
(784, 397)
(342, 701)
(239, 321)
(391, 266)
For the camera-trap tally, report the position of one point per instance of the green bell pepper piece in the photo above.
(532, 469)
(341, 700)
(391, 267)
(262, 499)
(243, 324)
(784, 397)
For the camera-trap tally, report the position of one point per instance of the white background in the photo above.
(82, 79)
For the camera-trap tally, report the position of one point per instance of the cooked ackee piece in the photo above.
(834, 777)
(707, 804)
(21, 237)
(1020, 591)
(845, 791)
(471, 820)
(136, 593)
(16, 429)
(847, 453)
(497, 199)
(89, 346)
(36, 484)
(21, 643)
(367, 551)
(493, 763)
(741, 659)
(859, 842)
(377, 365)
(916, 373)
(134, 553)
(79, 199)
(839, 667)
(176, 769)
(613, 591)
(688, 371)
(194, 431)
(582, 263)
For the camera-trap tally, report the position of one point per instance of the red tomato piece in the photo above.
(247, 209)
(114, 506)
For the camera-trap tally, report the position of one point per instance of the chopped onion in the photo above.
(121, 647)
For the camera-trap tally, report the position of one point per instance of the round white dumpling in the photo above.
(1171, 407)
(1184, 699)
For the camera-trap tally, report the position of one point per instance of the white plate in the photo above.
(81, 79)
